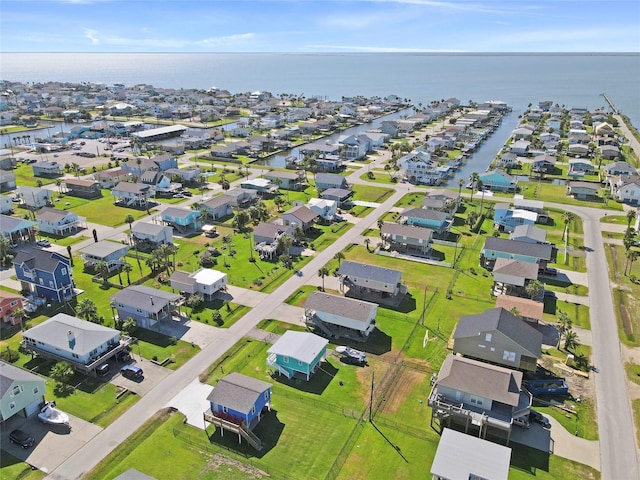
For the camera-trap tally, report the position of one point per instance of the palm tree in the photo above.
(474, 180)
(367, 242)
(129, 219)
(570, 340)
(339, 256)
(323, 272)
(284, 242)
(631, 216)
(534, 288)
(564, 325)
(567, 218)
(59, 184)
(20, 314)
(86, 309)
(460, 184)
(103, 270)
(61, 372)
(127, 268)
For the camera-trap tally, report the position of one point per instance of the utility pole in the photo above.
(371, 397)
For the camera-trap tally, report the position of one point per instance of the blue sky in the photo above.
(319, 26)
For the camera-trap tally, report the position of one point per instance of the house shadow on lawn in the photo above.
(377, 343)
(268, 431)
(318, 382)
(528, 459)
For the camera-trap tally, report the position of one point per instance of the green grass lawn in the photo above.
(368, 193)
(102, 210)
(583, 420)
(558, 194)
(615, 219)
(626, 297)
(24, 176)
(636, 417)
(14, 468)
(579, 314)
(63, 241)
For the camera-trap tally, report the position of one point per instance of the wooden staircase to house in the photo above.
(251, 438)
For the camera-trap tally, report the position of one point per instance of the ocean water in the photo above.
(519, 79)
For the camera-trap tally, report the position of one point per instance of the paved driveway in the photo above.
(54, 444)
(192, 402)
(153, 375)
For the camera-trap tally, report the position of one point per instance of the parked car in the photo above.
(551, 271)
(43, 243)
(131, 371)
(21, 438)
(187, 193)
(103, 370)
(537, 417)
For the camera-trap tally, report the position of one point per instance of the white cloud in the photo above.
(225, 41)
(230, 41)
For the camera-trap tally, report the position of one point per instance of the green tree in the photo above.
(631, 216)
(534, 288)
(61, 372)
(128, 326)
(472, 218)
(367, 242)
(129, 219)
(339, 256)
(567, 218)
(284, 243)
(86, 309)
(127, 268)
(20, 314)
(240, 221)
(474, 183)
(102, 269)
(216, 317)
(323, 272)
(570, 340)
(564, 325)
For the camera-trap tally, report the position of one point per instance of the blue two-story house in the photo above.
(500, 181)
(48, 274)
(182, 219)
(297, 352)
(495, 248)
(426, 218)
(240, 399)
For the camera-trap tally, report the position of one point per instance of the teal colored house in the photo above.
(296, 352)
(499, 181)
(181, 219)
(425, 218)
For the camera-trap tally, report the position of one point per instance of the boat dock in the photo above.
(613, 107)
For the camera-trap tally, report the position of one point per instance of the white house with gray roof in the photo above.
(529, 233)
(407, 237)
(21, 392)
(85, 345)
(205, 281)
(154, 233)
(59, 222)
(147, 306)
(362, 278)
(337, 316)
(112, 253)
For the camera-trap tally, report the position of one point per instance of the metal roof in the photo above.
(303, 346)
(150, 299)
(345, 307)
(371, 272)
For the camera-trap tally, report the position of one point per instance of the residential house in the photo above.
(507, 218)
(299, 216)
(362, 279)
(522, 203)
(218, 207)
(443, 200)
(464, 457)
(205, 281)
(111, 178)
(84, 345)
(297, 353)
(610, 152)
(153, 233)
(236, 403)
(131, 194)
(401, 237)
(522, 132)
(147, 306)
(629, 192)
(391, 128)
(17, 230)
(495, 248)
(520, 147)
(323, 208)
(260, 185)
(529, 310)
(47, 274)
(416, 167)
(498, 336)
(499, 181)
(583, 190)
(268, 234)
(619, 168)
(512, 276)
(354, 147)
(580, 167)
(159, 183)
(184, 220)
(550, 140)
(340, 195)
(9, 302)
(112, 253)
(6, 205)
(186, 175)
(7, 180)
(286, 180)
(578, 149)
(435, 220)
(79, 187)
(478, 394)
(330, 180)
(507, 160)
(59, 222)
(21, 392)
(529, 234)
(240, 197)
(544, 163)
(34, 197)
(336, 316)
(46, 169)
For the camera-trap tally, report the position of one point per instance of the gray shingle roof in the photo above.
(39, 259)
(182, 277)
(128, 187)
(139, 295)
(177, 212)
(482, 379)
(406, 231)
(371, 272)
(505, 322)
(217, 201)
(506, 266)
(51, 214)
(238, 392)
(103, 249)
(54, 332)
(330, 178)
(10, 374)
(531, 231)
(148, 228)
(424, 213)
(302, 346)
(336, 193)
(541, 251)
(345, 307)
(302, 213)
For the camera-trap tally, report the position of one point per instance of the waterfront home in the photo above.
(522, 132)
(84, 345)
(331, 180)
(323, 208)
(17, 230)
(462, 457)
(337, 316)
(79, 187)
(236, 404)
(402, 237)
(296, 353)
(512, 276)
(286, 180)
(21, 392)
(131, 194)
(497, 336)
(550, 140)
(184, 220)
(9, 302)
(376, 139)
(47, 274)
(583, 190)
(46, 169)
(34, 197)
(205, 281)
(354, 147)
(435, 220)
(528, 310)
(507, 160)
(241, 197)
(112, 253)
(361, 279)
(498, 180)
(217, 207)
(154, 234)
(520, 147)
(415, 166)
(7, 180)
(544, 163)
(299, 216)
(442, 200)
(147, 306)
(603, 129)
(529, 234)
(490, 396)
(59, 222)
(110, 178)
(495, 248)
